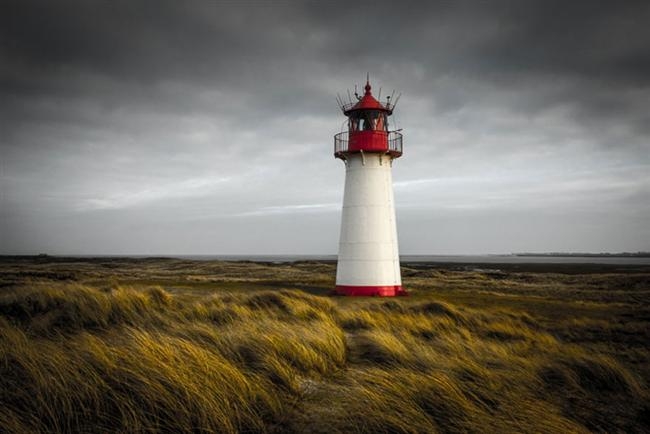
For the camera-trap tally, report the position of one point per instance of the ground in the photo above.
(115, 344)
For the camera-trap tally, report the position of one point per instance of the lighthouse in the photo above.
(368, 259)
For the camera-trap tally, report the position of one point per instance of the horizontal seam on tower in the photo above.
(366, 206)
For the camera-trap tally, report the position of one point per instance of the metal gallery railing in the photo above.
(341, 142)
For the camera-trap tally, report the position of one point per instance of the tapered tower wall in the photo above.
(368, 260)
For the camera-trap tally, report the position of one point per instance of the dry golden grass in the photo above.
(181, 346)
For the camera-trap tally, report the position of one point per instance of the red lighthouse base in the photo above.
(367, 291)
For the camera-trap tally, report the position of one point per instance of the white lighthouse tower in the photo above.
(368, 260)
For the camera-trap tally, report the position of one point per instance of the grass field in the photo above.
(165, 345)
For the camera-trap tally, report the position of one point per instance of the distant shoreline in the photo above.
(641, 258)
(589, 255)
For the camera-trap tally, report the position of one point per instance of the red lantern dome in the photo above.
(368, 102)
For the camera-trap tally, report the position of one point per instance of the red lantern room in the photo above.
(368, 127)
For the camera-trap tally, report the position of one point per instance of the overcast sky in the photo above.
(186, 127)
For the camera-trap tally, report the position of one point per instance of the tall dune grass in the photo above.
(76, 358)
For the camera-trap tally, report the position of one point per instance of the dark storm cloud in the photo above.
(122, 51)
(221, 113)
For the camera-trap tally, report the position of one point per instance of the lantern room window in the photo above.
(368, 120)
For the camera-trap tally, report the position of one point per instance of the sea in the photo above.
(461, 259)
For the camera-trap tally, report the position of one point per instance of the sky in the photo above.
(159, 127)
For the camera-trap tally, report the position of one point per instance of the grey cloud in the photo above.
(123, 122)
